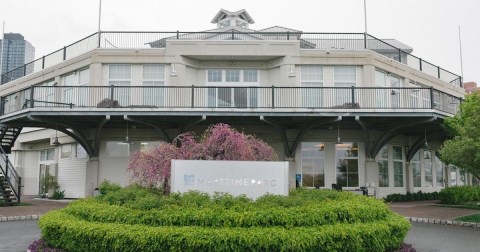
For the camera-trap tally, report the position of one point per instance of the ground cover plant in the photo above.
(470, 218)
(136, 218)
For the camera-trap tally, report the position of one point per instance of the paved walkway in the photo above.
(38, 207)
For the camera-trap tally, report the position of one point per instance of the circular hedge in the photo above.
(134, 219)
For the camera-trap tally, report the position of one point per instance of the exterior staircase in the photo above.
(8, 137)
(10, 182)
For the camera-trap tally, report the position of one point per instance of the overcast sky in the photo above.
(429, 26)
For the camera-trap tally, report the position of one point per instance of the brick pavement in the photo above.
(38, 207)
(429, 209)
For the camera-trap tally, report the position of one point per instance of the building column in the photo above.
(409, 177)
(91, 181)
(371, 174)
(292, 170)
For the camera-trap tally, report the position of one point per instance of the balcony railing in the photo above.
(137, 40)
(242, 98)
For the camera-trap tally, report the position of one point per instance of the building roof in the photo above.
(242, 14)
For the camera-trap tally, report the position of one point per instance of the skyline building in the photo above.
(16, 53)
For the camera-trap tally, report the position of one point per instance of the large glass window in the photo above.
(347, 164)
(117, 149)
(47, 155)
(120, 75)
(416, 168)
(383, 179)
(427, 161)
(312, 163)
(45, 94)
(312, 81)
(397, 166)
(153, 82)
(345, 77)
(439, 171)
(225, 95)
(76, 90)
(66, 151)
(80, 151)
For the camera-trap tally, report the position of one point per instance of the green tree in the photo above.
(463, 147)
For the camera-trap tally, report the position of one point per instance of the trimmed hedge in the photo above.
(355, 210)
(460, 194)
(416, 196)
(68, 232)
(135, 219)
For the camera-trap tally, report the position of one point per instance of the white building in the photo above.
(344, 109)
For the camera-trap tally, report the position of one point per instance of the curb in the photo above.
(20, 218)
(444, 222)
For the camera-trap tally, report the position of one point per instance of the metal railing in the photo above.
(308, 40)
(10, 174)
(214, 97)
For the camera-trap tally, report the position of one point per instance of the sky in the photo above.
(431, 27)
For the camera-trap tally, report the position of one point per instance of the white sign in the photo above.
(252, 178)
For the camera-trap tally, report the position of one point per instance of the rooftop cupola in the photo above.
(239, 18)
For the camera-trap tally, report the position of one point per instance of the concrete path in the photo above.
(17, 235)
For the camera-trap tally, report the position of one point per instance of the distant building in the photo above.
(15, 54)
(471, 87)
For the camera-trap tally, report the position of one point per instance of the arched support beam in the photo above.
(97, 134)
(286, 146)
(160, 130)
(366, 136)
(204, 117)
(420, 143)
(389, 134)
(304, 131)
(75, 134)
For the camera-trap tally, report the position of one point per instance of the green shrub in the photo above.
(135, 218)
(459, 194)
(68, 232)
(58, 195)
(416, 196)
(107, 186)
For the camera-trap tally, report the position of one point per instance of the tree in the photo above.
(463, 149)
(151, 168)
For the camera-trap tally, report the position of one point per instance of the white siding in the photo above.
(113, 169)
(30, 170)
(72, 177)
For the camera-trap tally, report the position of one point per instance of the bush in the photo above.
(107, 186)
(314, 220)
(460, 194)
(58, 195)
(73, 234)
(417, 196)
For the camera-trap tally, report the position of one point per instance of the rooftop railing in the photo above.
(270, 99)
(136, 40)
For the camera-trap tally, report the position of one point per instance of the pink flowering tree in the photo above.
(151, 168)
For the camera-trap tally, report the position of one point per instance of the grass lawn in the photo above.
(468, 205)
(470, 218)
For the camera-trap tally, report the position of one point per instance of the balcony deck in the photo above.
(307, 41)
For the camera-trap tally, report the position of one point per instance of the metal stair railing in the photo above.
(10, 174)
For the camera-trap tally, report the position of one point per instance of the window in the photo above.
(47, 155)
(312, 164)
(345, 77)
(45, 94)
(417, 176)
(397, 166)
(347, 164)
(147, 145)
(312, 81)
(80, 151)
(119, 75)
(76, 90)
(427, 161)
(66, 151)
(439, 171)
(153, 81)
(223, 95)
(117, 149)
(383, 179)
